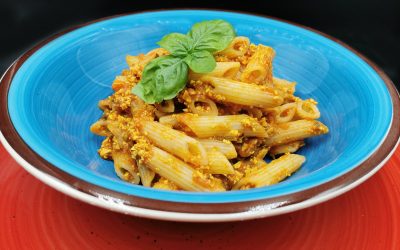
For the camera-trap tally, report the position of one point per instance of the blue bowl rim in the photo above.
(7, 130)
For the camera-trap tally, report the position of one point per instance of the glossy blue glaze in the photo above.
(53, 97)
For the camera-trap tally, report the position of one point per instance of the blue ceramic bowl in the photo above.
(52, 99)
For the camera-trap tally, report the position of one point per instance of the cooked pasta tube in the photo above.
(295, 131)
(307, 109)
(125, 166)
(141, 60)
(218, 163)
(271, 173)
(226, 147)
(100, 128)
(284, 85)
(243, 93)
(222, 69)
(144, 59)
(248, 146)
(166, 106)
(168, 120)
(159, 114)
(203, 106)
(290, 147)
(259, 67)
(227, 126)
(261, 153)
(157, 52)
(146, 175)
(283, 113)
(238, 47)
(119, 135)
(175, 142)
(132, 60)
(179, 172)
(120, 82)
(138, 108)
(165, 184)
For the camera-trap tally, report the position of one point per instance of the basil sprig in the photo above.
(164, 77)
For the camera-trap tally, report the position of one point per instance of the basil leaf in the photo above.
(214, 35)
(176, 43)
(145, 88)
(162, 79)
(201, 61)
(171, 78)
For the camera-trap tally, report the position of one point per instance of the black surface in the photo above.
(372, 27)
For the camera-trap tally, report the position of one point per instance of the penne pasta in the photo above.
(100, 128)
(119, 134)
(307, 110)
(285, 86)
(261, 153)
(175, 142)
(237, 48)
(157, 52)
(203, 106)
(290, 147)
(229, 126)
(283, 113)
(248, 146)
(120, 82)
(159, 114)
(180, 173)
(132, 60)
(145, 59)
(169, 120)
(165, 184)
(295, 131)
(222, 69)
(146, 175)
(125, 166)
(271, 173)
(226, 147)
(139, 109)
(243, 93)
(259, 67)
(167, 106)
(218, 163)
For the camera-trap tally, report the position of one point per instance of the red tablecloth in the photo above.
(34, 216)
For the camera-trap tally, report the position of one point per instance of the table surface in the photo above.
(34, 216)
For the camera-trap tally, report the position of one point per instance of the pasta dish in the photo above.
(202, 112)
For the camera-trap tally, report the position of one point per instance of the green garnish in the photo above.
(164, 77)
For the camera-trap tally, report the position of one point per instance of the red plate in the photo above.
(34, 216)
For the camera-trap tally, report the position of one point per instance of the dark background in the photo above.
(371, 27)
